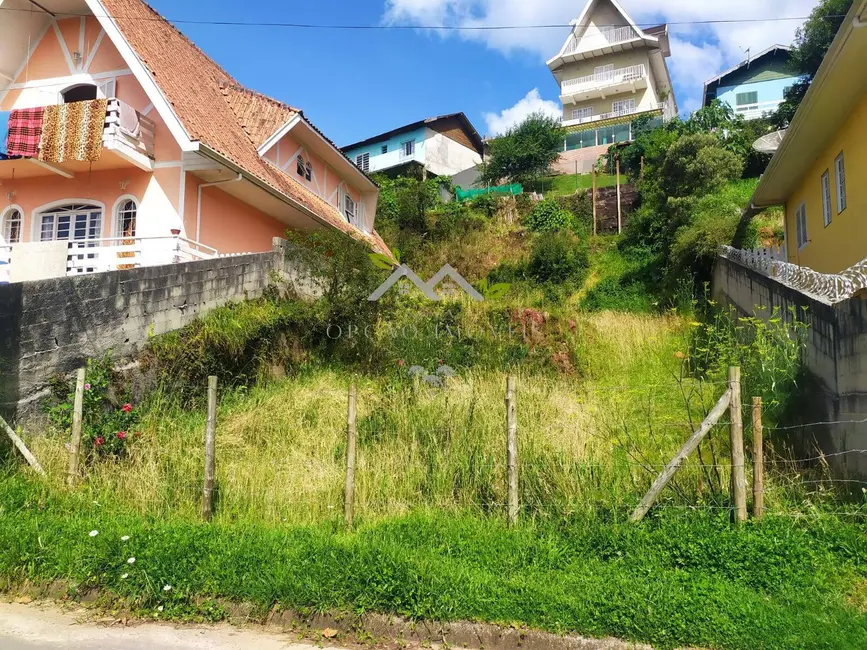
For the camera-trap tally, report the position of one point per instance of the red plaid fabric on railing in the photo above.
(25, 131)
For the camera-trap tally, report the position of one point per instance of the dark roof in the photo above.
(470, 130)
(781, 52)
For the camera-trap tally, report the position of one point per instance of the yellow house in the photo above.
(819, 172)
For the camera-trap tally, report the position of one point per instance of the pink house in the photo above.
(191, 164)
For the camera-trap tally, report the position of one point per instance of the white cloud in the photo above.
(699, 50)
(531, 103)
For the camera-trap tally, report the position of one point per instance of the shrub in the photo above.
(486, 204)
(548, 216)
(618, 294)
(108, 417)
(580, 205)
(697, 164)
(559, 258)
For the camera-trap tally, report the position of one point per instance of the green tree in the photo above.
(525, 152)
(812, 41)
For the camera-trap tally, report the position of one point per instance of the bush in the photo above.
(108, 417)
(580, 205)
(486, 204)
(548, 216)
(695, 165)
(618, 294)
(559, 258)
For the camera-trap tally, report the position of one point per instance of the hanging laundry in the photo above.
(73, 131)
(130, 120)
(25, 131)
(4, 133)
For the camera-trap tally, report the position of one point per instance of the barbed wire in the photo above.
(815, 424)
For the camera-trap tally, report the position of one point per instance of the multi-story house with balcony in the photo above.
(756, 86)
(443, 146)
(127, 146)
(610, 72)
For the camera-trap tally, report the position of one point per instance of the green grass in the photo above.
(570, 183)
(676, 580)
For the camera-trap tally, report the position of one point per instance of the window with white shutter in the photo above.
(362, 161)
(801, 225)
(826, 197)
(840, 169)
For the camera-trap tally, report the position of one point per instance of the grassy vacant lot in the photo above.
(605, 398)
(570, 183)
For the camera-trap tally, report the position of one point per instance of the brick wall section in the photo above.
(52, 327)
(836, 355)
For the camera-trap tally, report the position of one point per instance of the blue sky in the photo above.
(353, 84)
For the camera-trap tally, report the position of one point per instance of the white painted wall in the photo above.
(445, 157)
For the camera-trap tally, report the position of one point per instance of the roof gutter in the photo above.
(205, 150)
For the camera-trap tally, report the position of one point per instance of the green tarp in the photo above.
(464, 195)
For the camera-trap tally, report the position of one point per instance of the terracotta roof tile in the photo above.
(258, 115)
(213, 107)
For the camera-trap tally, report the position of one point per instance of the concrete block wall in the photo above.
(836, 355)
(51, 327)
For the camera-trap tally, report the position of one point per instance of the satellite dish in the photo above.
(769, 143)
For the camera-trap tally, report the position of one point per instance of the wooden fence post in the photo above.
(593, 176)
(736, 432)
(512, 448)
(619, 209)
(675, 463)
(758, 461)
(210, 451)
(351, 436)
(75, 442)
(20, 446)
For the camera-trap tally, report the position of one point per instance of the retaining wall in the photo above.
(51, 327)
(836, 355)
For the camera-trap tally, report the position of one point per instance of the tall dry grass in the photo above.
(589, 439)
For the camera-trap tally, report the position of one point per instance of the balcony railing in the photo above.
(612, 114)
(606, 37)
(126, 126)
(755, 111)
(602, 79)
(115, 254)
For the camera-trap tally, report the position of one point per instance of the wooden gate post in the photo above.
(351, 436)
(619, 209)
(75, 442)
(512, 448)
(758, 461)
(593, 198)
(210, 451)
(736, 433)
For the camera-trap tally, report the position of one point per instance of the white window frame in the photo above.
(362, 161)
(350, 214)
(407, 144)
(582, 113)
(826, 197)
(67, 208)
(117, 211)
(6, 224)
(801, 224)
(627, 106)
(840, 173)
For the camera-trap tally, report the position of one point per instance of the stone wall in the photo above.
(836, 356)
(51, 327)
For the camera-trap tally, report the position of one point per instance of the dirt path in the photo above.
(43, 627)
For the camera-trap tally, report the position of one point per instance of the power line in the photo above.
(383, 27)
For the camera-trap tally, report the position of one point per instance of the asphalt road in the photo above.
(42, 627)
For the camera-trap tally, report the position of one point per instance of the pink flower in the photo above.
(99, 442)
(126, 408)
(87, 387)
(121, 435)
(401, 363)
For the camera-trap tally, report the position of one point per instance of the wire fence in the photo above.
(449, 460)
